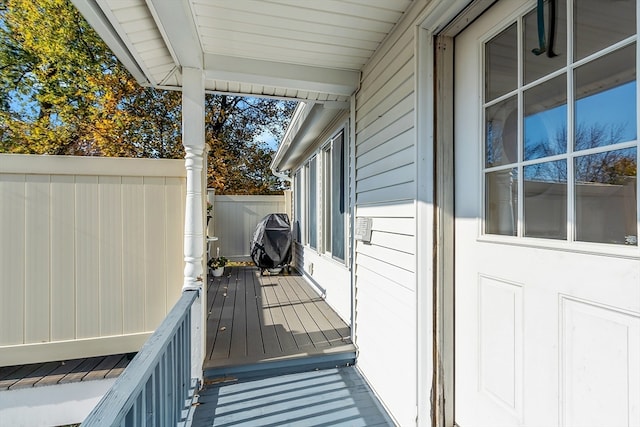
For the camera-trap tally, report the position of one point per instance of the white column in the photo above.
(193, 141)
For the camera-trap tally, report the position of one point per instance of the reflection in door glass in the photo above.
(606, 197)
(501, 64)
(600, 23)
(605, 106)
(501, 133)
(536, 66)
(545, 119)
(545, 200)
(501, 189)
(566, 128)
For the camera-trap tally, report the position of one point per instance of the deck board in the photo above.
(270, 343)
(104, 367)
(336, 323)
(61, 372)
(277, 317)
(16, 375)
(295, 325)
(329, 397)
(57, 374)
(34, 376)
(83, 369)
(255, 337)
(310, 323)
(239, 330)
(269, 318)
(331, 335)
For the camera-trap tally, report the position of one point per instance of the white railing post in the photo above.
(193, 139)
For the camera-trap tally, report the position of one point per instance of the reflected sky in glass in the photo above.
(612, 110)
(545, 107)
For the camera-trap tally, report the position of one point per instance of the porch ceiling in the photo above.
(310, 50)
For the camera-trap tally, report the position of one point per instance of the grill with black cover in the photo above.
(271, 243)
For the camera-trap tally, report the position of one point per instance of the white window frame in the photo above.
(312, 163)
(299, 205)
(328, 166)
(570, 243)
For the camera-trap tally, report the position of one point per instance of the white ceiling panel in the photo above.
(304, 49)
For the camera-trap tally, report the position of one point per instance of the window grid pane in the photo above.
(313, 204)
(338, 196)
(603, 118)
(327, 199)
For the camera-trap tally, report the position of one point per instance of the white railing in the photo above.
(155, 388)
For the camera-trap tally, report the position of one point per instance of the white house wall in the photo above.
(385, 191)
(330, 277)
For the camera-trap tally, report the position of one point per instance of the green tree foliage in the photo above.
(234, 126)
(63, 92)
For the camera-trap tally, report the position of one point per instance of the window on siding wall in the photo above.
(297, 223)
(326, 198)
(334, 197)
(312, 204)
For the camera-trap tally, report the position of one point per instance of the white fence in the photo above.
(235, 219)
(91, 254)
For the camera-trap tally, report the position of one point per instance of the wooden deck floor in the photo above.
(328, 397)
(255, 319)
(62, 372)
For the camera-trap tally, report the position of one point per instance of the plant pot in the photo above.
(217, 272)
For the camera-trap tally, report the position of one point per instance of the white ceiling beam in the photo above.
(270, 73)
(178, 30)
(95, 16)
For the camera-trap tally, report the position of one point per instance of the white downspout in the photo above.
(283, 176)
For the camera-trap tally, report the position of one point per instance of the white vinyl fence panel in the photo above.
(91, 254)
(235, 219)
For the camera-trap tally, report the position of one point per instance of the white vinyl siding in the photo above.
(385, 191)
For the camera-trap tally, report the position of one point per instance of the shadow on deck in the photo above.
(277, 354)
(273, 322)
(328, 397)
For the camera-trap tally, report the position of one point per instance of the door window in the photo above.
(560, 124)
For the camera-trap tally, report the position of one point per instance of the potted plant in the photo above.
(217, 264)
(209, 209)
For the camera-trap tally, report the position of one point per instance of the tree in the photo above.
(608, 167)
(62, 91)
(60, 85)
(239, 160)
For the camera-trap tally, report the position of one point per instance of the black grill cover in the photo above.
(271, 244)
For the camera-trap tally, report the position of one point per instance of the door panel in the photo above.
(547, 266)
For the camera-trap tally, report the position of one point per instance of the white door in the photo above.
(547, 266)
